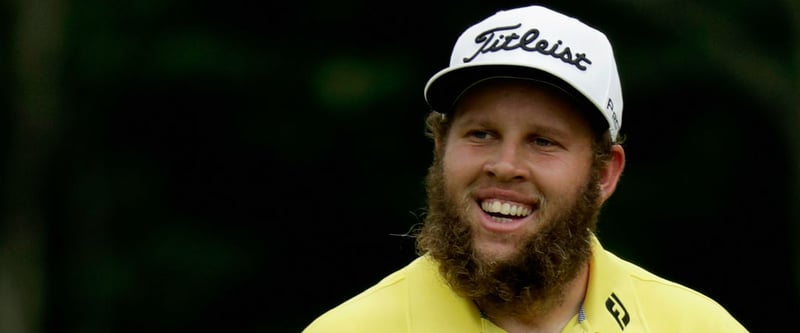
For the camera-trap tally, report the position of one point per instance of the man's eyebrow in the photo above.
(549, 130)
(472, 118)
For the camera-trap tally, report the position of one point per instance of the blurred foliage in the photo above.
(179, 165)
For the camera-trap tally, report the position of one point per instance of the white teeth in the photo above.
(505, 208)
(501, 219)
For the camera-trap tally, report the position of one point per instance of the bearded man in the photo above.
(525, 124)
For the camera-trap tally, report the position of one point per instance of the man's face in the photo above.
(513, 195)
(517, 156)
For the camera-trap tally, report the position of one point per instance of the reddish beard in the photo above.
(533, 280)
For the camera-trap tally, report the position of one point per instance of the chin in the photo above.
(494, 252)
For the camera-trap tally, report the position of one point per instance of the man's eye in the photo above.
(482, 135)
(543, 142)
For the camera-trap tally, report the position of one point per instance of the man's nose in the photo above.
(508, 163)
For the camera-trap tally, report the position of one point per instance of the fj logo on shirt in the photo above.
(493, 40)
(616, 309)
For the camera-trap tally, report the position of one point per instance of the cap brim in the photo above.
(446, 87)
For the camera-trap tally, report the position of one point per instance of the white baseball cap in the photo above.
(534, 43)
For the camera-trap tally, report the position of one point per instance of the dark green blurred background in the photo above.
(186, 165)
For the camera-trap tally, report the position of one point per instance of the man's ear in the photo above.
(611, 172)
(438, 146)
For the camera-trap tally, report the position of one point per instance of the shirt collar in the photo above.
(611, 304)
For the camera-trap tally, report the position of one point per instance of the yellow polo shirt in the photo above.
(621, 297)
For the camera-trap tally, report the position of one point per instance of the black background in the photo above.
(183, 165)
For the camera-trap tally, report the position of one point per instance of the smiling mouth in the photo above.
(505, 211)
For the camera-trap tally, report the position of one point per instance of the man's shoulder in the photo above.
(378, 307)
(664, 303)
(654, 287)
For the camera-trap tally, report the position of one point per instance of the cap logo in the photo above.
(493, 40)
(610, 107)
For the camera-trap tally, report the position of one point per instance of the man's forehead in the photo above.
(503, 87)
(543, 89)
